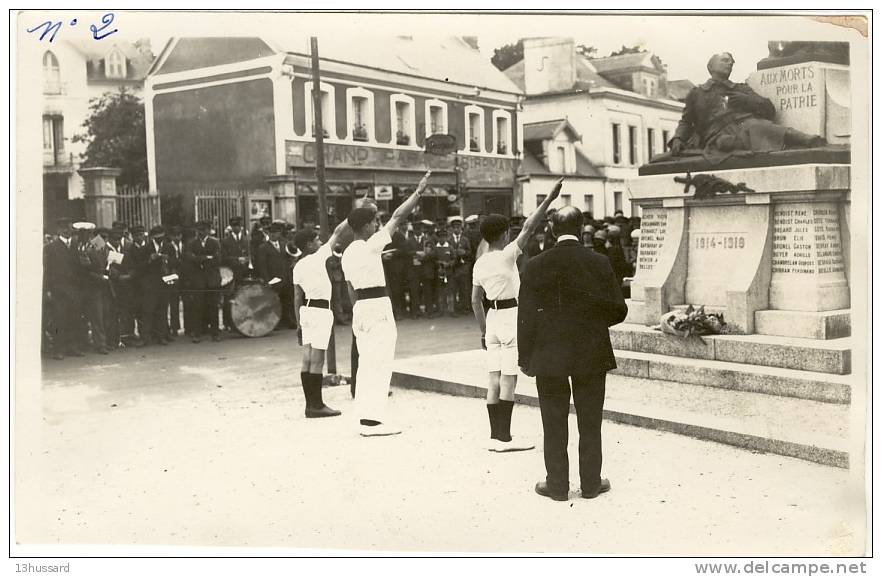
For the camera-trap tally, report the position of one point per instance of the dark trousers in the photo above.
(201, 306)
(66, 321)
(100, 316)
(421, 292)
(353, 363)
(154, 310)
(554, 404)
(174, 308)
(461, 285)
(395, 281)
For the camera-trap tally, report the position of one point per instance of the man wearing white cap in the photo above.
(373, 321)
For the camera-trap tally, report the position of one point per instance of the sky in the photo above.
(683, 42)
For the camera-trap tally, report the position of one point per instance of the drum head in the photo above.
(226, 275)
(255, 309)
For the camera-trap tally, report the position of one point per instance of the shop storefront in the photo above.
(460, 184)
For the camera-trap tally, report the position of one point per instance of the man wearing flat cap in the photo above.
(61, 269)
(373, 321)
(202, 281)
(271, 265)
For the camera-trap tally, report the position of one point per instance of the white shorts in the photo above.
(316, 325)
(501, 340)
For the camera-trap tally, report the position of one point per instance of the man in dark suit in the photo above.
(152, 266)
(569, 298)
(174, 251)
(234, 255)
(271, 265)
(202, 281)
(61, 269)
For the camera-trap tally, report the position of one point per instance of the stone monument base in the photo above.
(821, 325)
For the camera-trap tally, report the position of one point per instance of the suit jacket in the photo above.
(569, 298)
(149, 269)
(462, 264)
(232, 250)
(61, 267)
(197, 270)
(175, 256)
(270, 263)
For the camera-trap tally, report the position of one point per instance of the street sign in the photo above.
(440, 144)
(383, 192)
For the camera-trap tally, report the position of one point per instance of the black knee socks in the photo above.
(492, 412)
(312, 390)
(306, 382)
(503, 420)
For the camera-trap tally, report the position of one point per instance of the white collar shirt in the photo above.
(311, 274)
(496, 272)
(362, 261)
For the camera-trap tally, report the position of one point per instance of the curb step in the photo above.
(789, 426)
(828, 388)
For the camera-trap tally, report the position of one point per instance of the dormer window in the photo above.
(51, 74)
(115, 64)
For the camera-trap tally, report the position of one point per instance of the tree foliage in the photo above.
(586, 51)
(505, 56)
(116, 136)
(627, 50)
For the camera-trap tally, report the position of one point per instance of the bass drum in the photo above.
(255, 309)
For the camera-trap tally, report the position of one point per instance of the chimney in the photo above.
(549, 64)
(471, 41)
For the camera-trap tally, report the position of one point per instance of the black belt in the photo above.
(501, 304)
(375, 292)
(318, 303)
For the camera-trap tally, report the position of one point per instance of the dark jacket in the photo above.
(569, 298)
(61, 267)
(197, 269)
(270, 263)
(232, 250)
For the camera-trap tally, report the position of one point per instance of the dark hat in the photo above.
(102, 230)
(265, 220)
(137, 229)
(203, 225)
(157, 231)
(63, 222)
(361, 216)
(277, 227)
(116, 231)
(174, 230)
(235, 221)
(119, 224)
(303, 237)
(493, 226)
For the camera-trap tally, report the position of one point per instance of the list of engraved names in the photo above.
(806, 239)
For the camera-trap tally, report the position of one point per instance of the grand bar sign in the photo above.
(476, 170)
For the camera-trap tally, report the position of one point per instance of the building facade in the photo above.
(74, 73)
(551, 152)
(620, 105)
(233, 118)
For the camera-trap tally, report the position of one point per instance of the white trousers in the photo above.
(374, 326)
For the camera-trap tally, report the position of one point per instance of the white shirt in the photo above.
(496, 272)
(311, 274)
(363, 263)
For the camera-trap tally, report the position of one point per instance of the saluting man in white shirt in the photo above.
(496, 282)
(312, 310)
(372, 319)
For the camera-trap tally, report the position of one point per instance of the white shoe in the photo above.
(381, 430)
(513, 445)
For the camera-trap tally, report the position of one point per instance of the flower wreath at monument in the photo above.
(692, 321)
